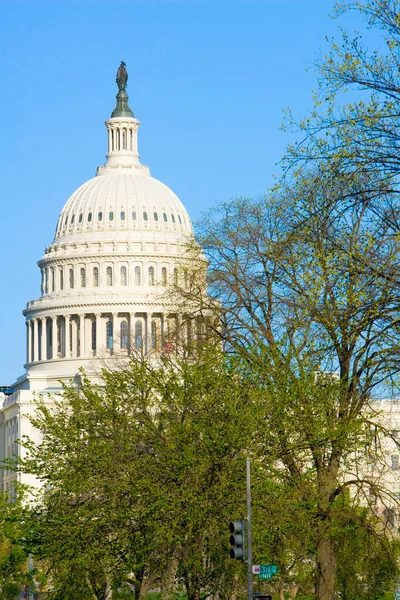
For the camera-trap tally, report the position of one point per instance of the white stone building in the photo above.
(117, 246)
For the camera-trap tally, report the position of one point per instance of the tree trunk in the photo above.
(147, 584)
(326, 568)
(235, 585)
(108, 591)
(168, 581)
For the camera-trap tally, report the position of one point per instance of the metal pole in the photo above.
(31, 595)
(249, 546)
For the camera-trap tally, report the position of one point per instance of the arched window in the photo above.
(94, 336)
(155, 215)
(151, 276)
(66, 221)
(109, 334)
(89, 217)
(111, 216)
(154, 340)
(145, 216)
(175, 276)
(72, 219)
(53, 280)
(122, 215)
(179, 219)
(95, 277)
(137, 276)
(124, 140)
(46, 281)
(80, 218)
(164, 276)
(100, 216)
(173, 218)
(165, 217)
(124, 278)
(61, 279)
(124, 332)
(83, 277)
(138, 335)
(109, 275)
(134, 215)
(71, 279)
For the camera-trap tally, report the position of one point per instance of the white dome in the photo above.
(110, 206)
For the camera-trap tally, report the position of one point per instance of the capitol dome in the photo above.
(126, 205)
(118, 246)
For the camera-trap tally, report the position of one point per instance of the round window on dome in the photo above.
(89, 217)
(72, 219)
(100, 216)
(145, 217)
(155, 216)
(173, 218)
(80, 218)
(165, 217)
(134, 215)
(122, 215)
(111, 216)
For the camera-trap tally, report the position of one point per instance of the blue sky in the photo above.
(207, 79)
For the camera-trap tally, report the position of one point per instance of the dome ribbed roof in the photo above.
(125, 202)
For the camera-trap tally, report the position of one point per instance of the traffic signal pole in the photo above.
(249, 545)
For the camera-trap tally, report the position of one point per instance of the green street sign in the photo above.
(267, 571)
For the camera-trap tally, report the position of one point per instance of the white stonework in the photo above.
(116, 248)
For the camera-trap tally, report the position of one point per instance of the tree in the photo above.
(14, 567)
(140, 477)
(319, 329)
(360, 135)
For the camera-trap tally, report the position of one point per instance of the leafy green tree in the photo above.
(140, 477)
(354, 125)
(14, 566)
(318, 328)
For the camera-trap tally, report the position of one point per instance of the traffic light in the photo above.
(237, 540)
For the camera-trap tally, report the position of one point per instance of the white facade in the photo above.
(116, 249)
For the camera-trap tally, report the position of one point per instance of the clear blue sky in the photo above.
(207, 79)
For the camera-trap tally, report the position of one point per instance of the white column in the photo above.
(28, 341)
(54, 336)
(147, 344)
(74, 338)
(98, 334)
(67, 352)
(179, 336)
(131, 339)
(82, 351)
(44, 339)
(114, 330)
(35, 340)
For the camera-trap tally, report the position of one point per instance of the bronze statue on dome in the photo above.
(122, 77)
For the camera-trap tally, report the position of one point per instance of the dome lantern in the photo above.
(122, 130)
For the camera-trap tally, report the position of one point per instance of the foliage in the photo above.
(135, 471)
(299, 279)
(14, 568)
